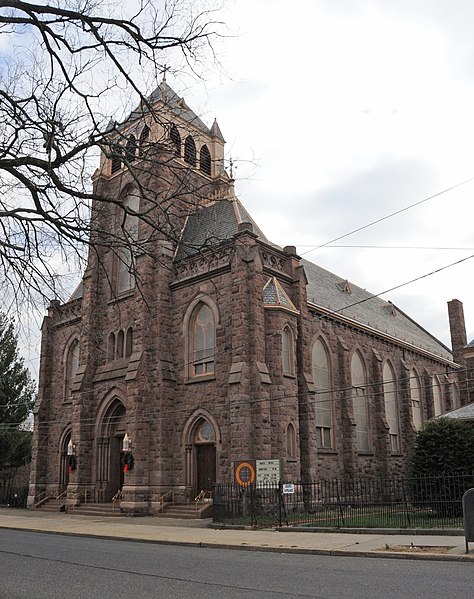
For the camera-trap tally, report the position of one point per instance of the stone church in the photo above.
(193, 342)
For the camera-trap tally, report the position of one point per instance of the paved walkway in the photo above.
(199, 533)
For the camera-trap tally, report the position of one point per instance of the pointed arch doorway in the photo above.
(201, 454)
(109, 447)
(63, 462)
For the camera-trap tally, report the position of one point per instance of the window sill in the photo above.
(367, 454)
(291, 460)
(67, 402)
(200, 379)
(122, 296)
(289, 375)
(326, 450)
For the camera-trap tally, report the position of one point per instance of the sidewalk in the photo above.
(199, 533)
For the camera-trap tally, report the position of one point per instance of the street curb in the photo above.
(441, 532)
(260, 548)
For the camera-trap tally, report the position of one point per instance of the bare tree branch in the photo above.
(65, 65)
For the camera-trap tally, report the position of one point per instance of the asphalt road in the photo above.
(45, 566)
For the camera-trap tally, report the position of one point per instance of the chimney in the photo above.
(457, 327)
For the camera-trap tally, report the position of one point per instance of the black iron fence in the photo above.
(421, 502)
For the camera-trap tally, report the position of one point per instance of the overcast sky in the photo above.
(340, 112)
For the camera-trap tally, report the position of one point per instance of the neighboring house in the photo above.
(220, 347)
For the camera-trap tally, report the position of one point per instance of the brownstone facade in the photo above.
(206, 354)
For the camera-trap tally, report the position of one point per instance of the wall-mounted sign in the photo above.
(259, 472)
(288, 488)
(244, 472)
(268, 472)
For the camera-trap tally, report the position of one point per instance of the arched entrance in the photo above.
(202, 455)
(109, 447)
(63, 462)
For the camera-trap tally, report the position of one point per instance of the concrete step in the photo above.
(52, 505)
(185, 511)
(95, 509)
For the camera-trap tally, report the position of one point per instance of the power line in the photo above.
(336, 394)
(396, 247)
(383, 218)
(429, 274)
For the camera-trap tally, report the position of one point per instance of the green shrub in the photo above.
(442, 465)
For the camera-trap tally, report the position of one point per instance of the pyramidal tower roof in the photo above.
(164, 93)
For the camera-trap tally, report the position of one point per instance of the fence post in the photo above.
(280, 499)
(405, 503)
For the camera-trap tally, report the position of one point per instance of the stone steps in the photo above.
(185, 511)
(53, 505)
(95, 509)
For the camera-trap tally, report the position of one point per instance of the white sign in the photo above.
(268, 472)
(288, 488)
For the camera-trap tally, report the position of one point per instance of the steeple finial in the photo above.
(164, 69)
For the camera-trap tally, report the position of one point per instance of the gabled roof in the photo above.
(274, 296)
(324, 290)
(219, 222)
(214, 224)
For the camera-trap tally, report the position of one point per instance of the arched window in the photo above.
(131, 148)
(129, 342)
(205, 160)
(190, 151)
(120, 345)
(203, 341)
(455, 397)
(72, 364)
(111, 347)
(290, 441)
(116, 163)
(288, 351)
(416, 406)
(125, 260)
(391, 407)
(437, 401)
(360, 403)
(144, 135)
(320, 365)
(176, 140)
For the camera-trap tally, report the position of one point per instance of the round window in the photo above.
(206, 432)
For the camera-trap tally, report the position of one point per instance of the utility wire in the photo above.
(397, 247)
(406, 283)
(379, 220)
(335, 395)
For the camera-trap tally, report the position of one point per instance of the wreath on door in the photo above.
(128, 461)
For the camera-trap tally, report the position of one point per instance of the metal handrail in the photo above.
(202, 497)
(162, 499)
(61, 495)
(77, 497)
(117, 497)
(42, 497)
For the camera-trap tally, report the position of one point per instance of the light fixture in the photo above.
(71, 448)
(126, 444)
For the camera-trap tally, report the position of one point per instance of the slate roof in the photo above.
(178, 106)
(218, 222)
(464, 413)
(325, 290)
(274, 295)
(213, 224)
